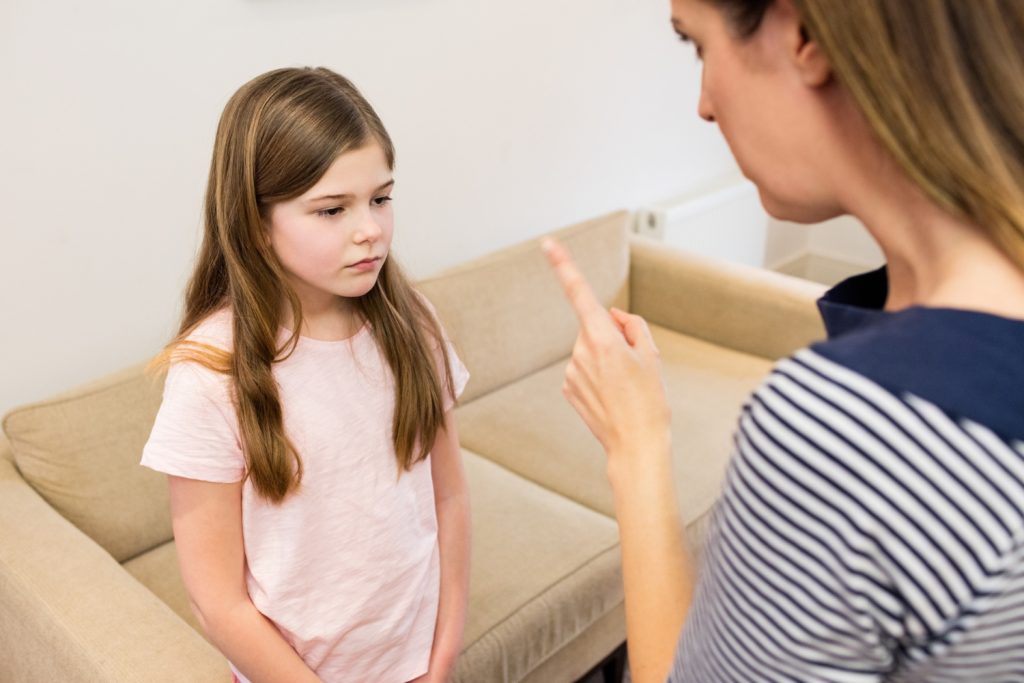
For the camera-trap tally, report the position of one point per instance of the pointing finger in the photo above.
(581, 297)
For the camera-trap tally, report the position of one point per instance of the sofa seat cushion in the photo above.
(80, 451)
(529, 428)
(158, 571)
(543, 571)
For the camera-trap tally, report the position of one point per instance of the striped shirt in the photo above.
(871, 527)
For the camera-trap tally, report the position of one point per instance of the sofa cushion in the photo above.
(544, 569)
(529, 427)
(157, 570)
(81, 452)
(505, 312)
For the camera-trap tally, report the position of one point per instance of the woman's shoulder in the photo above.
(967, 363)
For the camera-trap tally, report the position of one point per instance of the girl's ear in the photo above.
(265, 225)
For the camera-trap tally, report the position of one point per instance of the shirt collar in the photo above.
(855, 303)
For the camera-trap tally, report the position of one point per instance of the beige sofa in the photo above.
(89, 587)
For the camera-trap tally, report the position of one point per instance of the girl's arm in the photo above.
(453, 531)
(207, 520)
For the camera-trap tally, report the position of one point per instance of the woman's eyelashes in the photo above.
(687, 39)
(332, 211)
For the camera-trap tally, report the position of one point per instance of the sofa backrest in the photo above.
(80, 451)
(505, 312)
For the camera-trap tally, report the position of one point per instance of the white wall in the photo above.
(843, 239)
(510, 119)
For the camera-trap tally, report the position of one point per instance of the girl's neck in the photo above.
(334, 319)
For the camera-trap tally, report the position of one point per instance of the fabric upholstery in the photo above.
(505, 312)
(747, 309)
(157, 570)
(583, 653)
(529, 427)
(81, 452)
(71, 613)
(544, 569)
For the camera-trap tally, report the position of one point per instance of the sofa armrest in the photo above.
(70, 612)
(743, 308)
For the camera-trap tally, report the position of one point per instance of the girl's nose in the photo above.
(369, 230)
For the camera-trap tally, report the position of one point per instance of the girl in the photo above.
(317, 496)
(872, 522)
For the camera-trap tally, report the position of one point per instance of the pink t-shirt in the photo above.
(348, 567)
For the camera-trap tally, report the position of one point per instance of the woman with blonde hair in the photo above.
(871, 526)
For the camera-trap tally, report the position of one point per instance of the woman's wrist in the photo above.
(639, 457)
(642, 471)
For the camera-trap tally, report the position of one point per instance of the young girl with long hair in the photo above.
(318, 500)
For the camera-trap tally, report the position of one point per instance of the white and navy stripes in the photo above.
(864, 534)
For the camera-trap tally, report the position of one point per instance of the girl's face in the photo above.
(770, 96)
(333, 239)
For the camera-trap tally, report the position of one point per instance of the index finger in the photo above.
(577, 290)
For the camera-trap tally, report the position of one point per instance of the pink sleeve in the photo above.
(460, 375)
(196, 430)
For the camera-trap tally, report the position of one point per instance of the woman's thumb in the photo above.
(635, 330)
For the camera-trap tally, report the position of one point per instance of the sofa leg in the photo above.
(614, 668)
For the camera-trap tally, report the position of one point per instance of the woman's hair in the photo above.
(941, 84)
(276, 138)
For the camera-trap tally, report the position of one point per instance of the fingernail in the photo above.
(547, 244)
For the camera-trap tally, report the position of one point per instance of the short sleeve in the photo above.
(196, 430)
(460, 375)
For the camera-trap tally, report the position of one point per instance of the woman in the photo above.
(872, 522)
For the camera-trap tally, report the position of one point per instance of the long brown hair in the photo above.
(277, 136)
(941, 84)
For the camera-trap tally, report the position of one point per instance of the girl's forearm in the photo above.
(254, 645)
(453, 530)
(656, 569)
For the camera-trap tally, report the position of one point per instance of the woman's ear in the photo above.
(813, 66)
(806, 55)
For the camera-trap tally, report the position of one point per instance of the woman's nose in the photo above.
(704, 109)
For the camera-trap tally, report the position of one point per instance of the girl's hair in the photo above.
(941, 84)
(277, 136)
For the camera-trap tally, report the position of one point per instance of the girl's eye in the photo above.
(381, 201)
(333, 211)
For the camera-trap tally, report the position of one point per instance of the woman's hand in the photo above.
(614, 377)
(614, 382)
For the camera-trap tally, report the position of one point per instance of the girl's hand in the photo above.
(614, 377)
